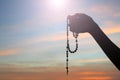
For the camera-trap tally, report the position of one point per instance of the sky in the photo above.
(33, 40)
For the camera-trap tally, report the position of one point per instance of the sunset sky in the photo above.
(33, 40)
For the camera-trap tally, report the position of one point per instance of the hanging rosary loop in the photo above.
(68, 50)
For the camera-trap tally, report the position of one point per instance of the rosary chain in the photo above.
(68, 47)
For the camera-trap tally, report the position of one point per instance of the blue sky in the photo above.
(33, 33)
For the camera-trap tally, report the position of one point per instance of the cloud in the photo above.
(58, 73)
(93, 60)
(111, 27)
(105, 10)
(117, 15)
(97, 9)
(8, 52)
(85, 62)
(112, 30)
(96, 78)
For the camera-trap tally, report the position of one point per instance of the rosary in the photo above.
(68, 50)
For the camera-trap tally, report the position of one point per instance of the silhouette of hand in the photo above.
(80, 23)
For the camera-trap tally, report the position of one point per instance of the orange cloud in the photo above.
(111, 27)
(8, 52)
(91, 73)
(58, 73)
(96, 78)
(110, 30)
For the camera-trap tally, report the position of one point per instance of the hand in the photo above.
(80, 23)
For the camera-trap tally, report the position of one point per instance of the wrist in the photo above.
(94, 31)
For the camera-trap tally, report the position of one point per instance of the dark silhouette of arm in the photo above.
(80, 23)
(110, 49)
